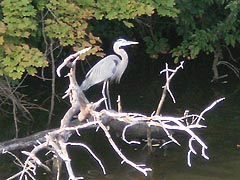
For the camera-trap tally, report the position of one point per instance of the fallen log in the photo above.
(138, 131)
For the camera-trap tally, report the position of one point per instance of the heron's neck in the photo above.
(122, 53)
(122, 65)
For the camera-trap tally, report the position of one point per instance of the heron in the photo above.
(108, 69)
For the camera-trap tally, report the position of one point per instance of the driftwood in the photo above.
(131, 127)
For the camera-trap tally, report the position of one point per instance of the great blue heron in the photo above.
(110, 68)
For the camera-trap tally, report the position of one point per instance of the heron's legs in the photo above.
(108, 95)
(107, 100)
(104, 95)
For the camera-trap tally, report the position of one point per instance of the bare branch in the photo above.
(69, 58)
(91, 152)
(140, 167)
(166, 87)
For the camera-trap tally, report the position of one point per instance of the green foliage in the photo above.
(20, 59)
(203, 25)
(124, 9)
(131, 14)
(18, 24)
(164, 7)
(19, 17)
(194, 27)
(28, 23)
(200, 40)
(67, 23)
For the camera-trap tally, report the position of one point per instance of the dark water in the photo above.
(221, 135)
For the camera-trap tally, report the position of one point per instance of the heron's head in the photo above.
(122, 42)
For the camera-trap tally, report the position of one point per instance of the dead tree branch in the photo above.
(166, 87)
(130, 125)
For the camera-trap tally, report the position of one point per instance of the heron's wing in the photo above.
(101, 71)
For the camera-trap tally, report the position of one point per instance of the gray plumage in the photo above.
(99, 73)
(110, 68)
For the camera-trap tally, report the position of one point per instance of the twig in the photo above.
(124, 136)
(208, 108)
(119, 105)
(91, 152)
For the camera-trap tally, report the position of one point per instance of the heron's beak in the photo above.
(132, 42)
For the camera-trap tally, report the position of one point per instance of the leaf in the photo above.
(1, 40)
(16, 75)
(20, 69)
(128, 24)
(2, 27)
(31, 70)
